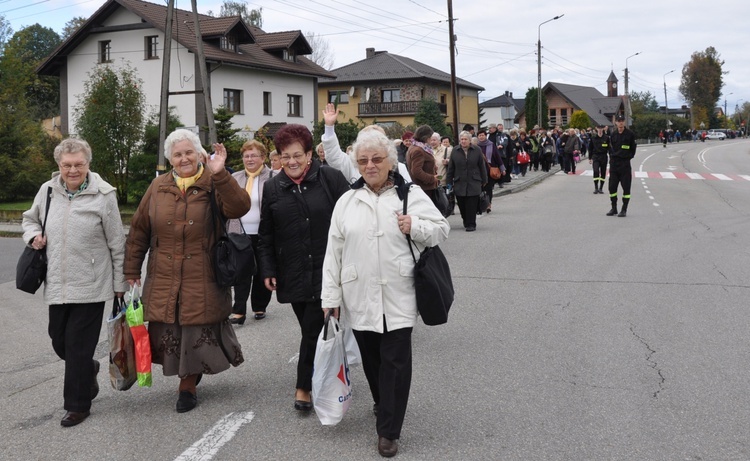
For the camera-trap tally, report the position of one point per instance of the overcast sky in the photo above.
(497, 45)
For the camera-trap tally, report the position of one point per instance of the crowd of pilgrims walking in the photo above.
(310, 219)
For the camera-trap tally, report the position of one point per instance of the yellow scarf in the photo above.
(250, 177)
(184, 183)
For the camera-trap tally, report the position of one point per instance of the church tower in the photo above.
(612, 85)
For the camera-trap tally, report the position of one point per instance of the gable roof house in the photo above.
(503, 109)
(261, 77)
(385, 88)
(563, 99)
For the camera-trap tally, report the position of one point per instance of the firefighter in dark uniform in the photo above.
(621, 151)
(599, 148)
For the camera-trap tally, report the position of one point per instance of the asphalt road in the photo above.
(574, 336)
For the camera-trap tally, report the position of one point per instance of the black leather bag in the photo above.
(442, 202)
(233, 256)
(31, 269)
(484, 202)
(433, 283)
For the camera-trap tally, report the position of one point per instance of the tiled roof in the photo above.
(599, 108)
(254, 42)
(384, 66)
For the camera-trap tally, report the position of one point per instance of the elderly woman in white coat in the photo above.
(85, 245)
(368, 274)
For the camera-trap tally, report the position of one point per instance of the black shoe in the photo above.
(596, 191)
(237, 320)
(73, 418)
(260, 315)
(612, 212)
(387, 447)
(303, 405)
(95, 382)
(471, 228)
(186, 402)
(622, 214)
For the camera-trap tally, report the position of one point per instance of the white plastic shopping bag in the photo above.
(353, 356)
(331, 387)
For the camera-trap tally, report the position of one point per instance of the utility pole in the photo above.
(627, 93)
(539, 69)
(164, 101)
(212, 138)
(454, 88)
(666, 113)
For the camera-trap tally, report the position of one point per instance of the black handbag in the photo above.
(233, 257)
(442, 202)
(432, 281)
(484, 202)
(31, 269)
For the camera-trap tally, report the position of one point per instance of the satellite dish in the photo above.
(351, 92)
(367, 95)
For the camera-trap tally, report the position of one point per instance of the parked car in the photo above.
(716, 135)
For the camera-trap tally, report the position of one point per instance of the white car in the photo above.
(716, 135)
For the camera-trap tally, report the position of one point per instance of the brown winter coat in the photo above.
(422, 169)
(179, 232)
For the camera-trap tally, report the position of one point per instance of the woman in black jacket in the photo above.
(467, 172)
(295, 216)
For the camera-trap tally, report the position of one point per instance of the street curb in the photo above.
(524, 185)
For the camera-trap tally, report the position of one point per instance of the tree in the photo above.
(72, 26)
(322, 54)
(643, 102)
(142, 165)
(580, 119)
(428, 113)
(110, 118)
(531, 106)
(702, 82)
(345, 132)
(250, 16)
(5, 32)
(227, 135)
(648, 126)
(22, 54)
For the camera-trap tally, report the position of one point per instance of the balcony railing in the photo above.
(393, 108)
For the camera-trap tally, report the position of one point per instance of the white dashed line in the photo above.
(209, 445)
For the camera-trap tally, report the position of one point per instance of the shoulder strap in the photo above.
(216, 212)
(46, 208)
(325, 186)
(409, 242)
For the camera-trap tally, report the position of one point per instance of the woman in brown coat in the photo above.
(187, 311)
(421, 162)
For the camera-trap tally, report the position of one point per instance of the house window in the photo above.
(229, 43)
(289, 55)
(443, 97)
(267, 103)
(105, 46)
(564, 116)
(391, 96)
(294, 105)
(338, 97)
(151, 46)
(552, 117)
(233, 100)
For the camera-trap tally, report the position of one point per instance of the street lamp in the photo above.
(726, 121)
(539, 69)
(666, 114)
(627, 94)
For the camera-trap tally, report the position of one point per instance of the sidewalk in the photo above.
(13, 229)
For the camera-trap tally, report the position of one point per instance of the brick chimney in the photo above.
(370, 52)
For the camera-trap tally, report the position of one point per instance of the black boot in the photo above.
(596, 187)
(624, 210)
(613, 211)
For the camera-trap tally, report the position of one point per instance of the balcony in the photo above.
(371, 109)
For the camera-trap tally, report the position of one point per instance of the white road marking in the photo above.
(641, 174)
(209, 445)
(667, 175)
(746, 177)
(723, 177)
(694, 175)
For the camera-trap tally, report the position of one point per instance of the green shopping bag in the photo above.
(134, 316)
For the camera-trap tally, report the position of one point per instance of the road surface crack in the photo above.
(650, 352)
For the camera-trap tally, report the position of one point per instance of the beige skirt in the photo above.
(194, 349)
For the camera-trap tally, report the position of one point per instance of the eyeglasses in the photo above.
(255, 156)
(297, 158)
(365, 161)
(77, 166)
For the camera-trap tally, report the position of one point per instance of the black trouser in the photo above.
(491, 185)
(508, 169)
(535, 160)
(468, 205)
(547, 161)
(569, 163)
(310, 318)
(260, 295)
(74, 330)
(599, 162)
(386, 361)
(620, 173)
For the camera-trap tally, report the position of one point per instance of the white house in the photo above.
(262, 77)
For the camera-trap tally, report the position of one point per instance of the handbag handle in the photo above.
(408, 237)
(215, 211)
(46, 208)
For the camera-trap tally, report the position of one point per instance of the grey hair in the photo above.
(464, 134)
(72, 146)
(436, 135)
(377, 141)
(182, 135)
